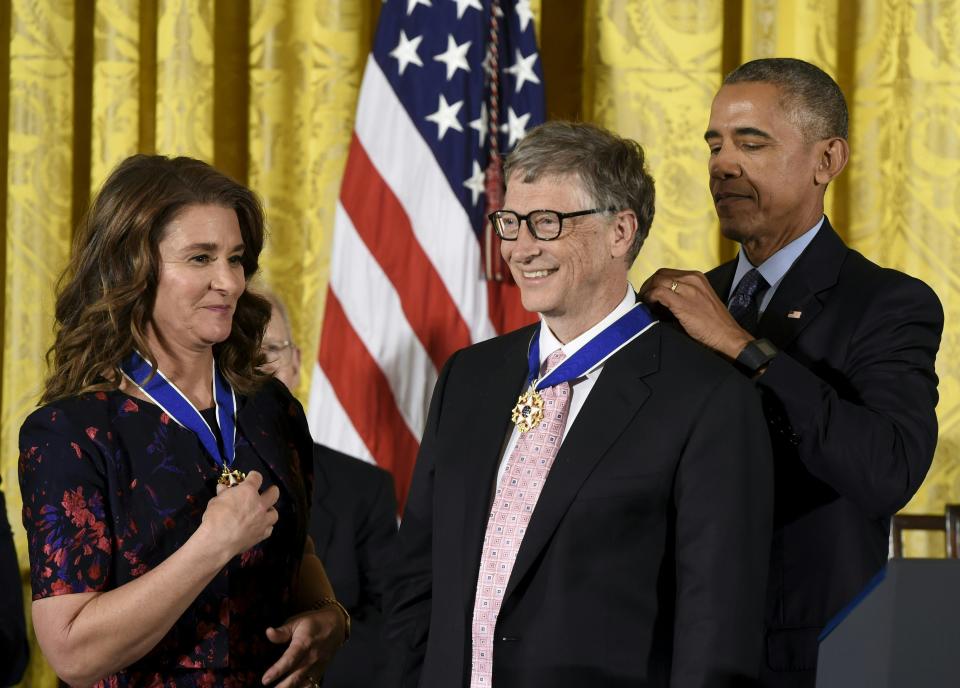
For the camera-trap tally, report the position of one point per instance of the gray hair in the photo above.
(811, 98)
(611, 169)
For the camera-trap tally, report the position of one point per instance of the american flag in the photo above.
(415, 273)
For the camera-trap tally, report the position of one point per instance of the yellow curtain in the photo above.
(265, 89)
(650, 70)
(39, 160)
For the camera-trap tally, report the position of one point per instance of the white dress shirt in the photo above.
(774, 268)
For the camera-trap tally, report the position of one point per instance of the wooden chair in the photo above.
(948, 524)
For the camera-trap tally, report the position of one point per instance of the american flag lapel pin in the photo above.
(794, 314)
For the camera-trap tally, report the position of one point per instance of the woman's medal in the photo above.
(175, 404)
(528, 413)
(231, 478)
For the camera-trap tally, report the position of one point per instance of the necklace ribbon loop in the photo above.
(605, 344)
(528, 412)
(175, 404)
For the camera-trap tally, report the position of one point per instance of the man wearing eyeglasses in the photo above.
(611, 526)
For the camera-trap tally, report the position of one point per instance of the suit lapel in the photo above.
(321, 522)
(482, 450)
(613, 402)
(721, 278)
(797, 300)
(263, 437)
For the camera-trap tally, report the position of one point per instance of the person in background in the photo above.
(14, 650)
(165, 479)
(613, 529)
(353, 523)
(840, 349)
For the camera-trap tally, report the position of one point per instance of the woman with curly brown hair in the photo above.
(165, 481)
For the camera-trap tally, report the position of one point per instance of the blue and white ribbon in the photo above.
(605, 344)
(175, 404)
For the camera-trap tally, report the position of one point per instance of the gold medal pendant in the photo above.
(231, 478)
(528, 412)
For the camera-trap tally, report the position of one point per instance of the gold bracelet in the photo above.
(325, 602)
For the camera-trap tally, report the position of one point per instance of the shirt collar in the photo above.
(549, 343)
(776, 266)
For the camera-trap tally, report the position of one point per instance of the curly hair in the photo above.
(611, 169)
(106, 295)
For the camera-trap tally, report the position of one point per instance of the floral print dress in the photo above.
(112, 487)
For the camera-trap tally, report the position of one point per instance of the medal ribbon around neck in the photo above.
(175, 404)
(528, 412)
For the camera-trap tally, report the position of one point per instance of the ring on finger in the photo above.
(312, 682)
(674, 285)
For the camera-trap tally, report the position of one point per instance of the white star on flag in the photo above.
(476, 182)
(524, 13)
(516, 126)
(462, 6)
(411, 4)
(522, 70)
(455, 57)
(406, 51)
(446, 117)
(383, 344)
(481, 124)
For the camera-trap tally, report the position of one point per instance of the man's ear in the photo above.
(295, 358)
(624, 230)
(832, 158)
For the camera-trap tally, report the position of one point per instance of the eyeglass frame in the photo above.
(493, 217)
(279, 349)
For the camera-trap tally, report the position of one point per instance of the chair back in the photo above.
(948, 524)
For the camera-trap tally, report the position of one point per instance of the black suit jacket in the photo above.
(353, 523)
(645, 559)
(849, 401)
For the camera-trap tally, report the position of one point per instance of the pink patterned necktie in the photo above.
(517, 493)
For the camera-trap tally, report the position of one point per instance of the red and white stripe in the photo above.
(405, 289)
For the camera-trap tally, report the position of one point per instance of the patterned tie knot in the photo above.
(745, 301)
(553, 360)
(750, 284)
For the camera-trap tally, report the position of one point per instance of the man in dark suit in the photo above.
(353, 524)
(841, 350)
(635, 554)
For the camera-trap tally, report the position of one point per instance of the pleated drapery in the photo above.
(266, 90)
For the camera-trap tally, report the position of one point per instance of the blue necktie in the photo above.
(744, 303)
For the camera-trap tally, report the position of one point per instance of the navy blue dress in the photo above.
(112, 487)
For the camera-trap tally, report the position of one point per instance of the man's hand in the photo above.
(688, 295)
(313, 639)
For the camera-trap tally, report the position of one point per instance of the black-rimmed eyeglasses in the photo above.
(545, 225)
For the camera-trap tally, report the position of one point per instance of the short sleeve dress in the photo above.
(112, 487)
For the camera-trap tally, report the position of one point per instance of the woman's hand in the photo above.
(313, 638)
(89, 635)
(241, 516)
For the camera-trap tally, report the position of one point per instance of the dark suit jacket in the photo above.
(849, 401)
(645, 560)
(14, 650)
(353, 523)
